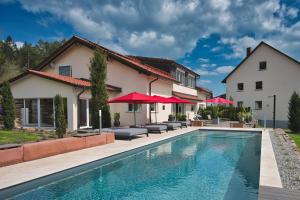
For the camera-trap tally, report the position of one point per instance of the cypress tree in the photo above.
(294, 112)
(98, 69)
(60, 121)
(8, 105)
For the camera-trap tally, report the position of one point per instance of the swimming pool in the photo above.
(198, 165)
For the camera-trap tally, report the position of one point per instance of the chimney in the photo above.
(248, 51)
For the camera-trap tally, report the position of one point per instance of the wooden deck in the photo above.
(272, 193)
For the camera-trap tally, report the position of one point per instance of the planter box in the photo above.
(49, 148)
(197, 123)
(11, 156)
(236, 125)
(110, 138)
(95, 140)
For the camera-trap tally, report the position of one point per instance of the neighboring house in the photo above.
(205, 94)
(66, 72)
(265, 72)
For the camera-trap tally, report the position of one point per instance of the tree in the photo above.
(8, 105)
(294, 112)
(98, 68)
(60, 121)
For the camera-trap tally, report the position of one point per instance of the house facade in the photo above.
(264, 74)
(66, 72)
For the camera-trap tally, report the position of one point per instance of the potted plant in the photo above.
(116, 119)
(171, 118)
(215, 115)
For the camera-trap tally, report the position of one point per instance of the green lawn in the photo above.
(18, 137)
(295, 137)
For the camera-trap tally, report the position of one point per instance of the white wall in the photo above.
(281, 78)
(32, 86)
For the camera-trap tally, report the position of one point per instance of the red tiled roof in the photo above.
(203, 89)
(69, 80)
(186, 96)
(121, 58)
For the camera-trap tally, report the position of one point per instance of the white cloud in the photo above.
(224, 69)
(19, 44)
(216, 49)
(203, 81)
(205, 72)
(171, 28)
(204, 60)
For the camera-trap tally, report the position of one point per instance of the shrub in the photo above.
(294, 113)
(8, 106)
(60, 121)
(171, 117)
(116, 119)
(98, 68)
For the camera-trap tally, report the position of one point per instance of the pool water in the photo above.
(201, 165)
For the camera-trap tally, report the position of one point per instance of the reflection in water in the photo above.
(203, 165)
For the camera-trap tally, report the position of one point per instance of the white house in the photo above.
(263, 75)
(66, 72)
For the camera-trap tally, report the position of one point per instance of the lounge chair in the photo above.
(183, 123)
(126, 132)
(170, 126)
(153, 128)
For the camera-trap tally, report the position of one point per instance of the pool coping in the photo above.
(267, 177)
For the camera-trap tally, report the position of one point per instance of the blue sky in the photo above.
(208, 36)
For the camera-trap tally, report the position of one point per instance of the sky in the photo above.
(210, 37)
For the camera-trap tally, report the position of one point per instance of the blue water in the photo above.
(202, 165)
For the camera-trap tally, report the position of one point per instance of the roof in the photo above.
(147, 69)
(200, 88)
(69, 80)
(169, 62)
(260, 44)
(186, 96)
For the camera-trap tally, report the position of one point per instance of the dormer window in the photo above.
(180, 76)
(263, 65)
(65, 70)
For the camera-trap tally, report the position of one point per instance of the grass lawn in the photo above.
(18, 136)
(295, 137)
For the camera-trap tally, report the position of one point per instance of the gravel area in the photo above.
(288, 159)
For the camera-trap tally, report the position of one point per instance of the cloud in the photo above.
(215, 49)
(204, 72)
(19, 44)
(204, 60)
(224, 69)
(204, 82)
(171, 28)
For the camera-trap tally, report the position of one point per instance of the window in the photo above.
(180, 76)
(263, 65)
(259, 85)
(240, 104)
(137, 107)
(191, 81)
(258, 105)
(163, 107)
(153, 107)
(192, 107)
(65, 70)
(240, 86)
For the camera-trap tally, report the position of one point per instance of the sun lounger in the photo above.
(126, 132)
(153, 128)
(170, 126)
(183, 123)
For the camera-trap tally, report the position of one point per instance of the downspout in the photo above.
(78, 107)
(150, 89)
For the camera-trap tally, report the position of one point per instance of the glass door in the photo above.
(31, 113)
